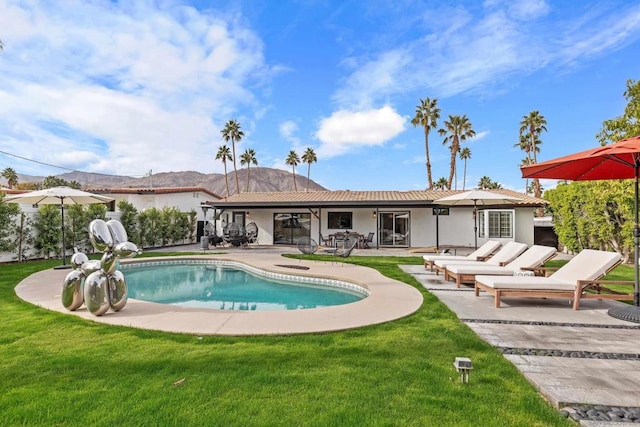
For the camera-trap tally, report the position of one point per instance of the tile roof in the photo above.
(354, 198)
(160, 190)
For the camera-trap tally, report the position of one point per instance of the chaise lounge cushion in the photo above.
(482, 252)
(533, 257)
(505, 255)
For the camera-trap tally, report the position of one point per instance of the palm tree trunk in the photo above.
(226, 178)
(464, 177)
(308, 175)
(248, 176)
(295, 186)
(426, 150)
(452, 165)
(235, 170)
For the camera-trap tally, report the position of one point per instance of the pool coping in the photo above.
(389, 300)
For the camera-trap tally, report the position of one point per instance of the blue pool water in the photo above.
(224, 287)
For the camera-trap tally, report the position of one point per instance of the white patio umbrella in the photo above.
(58, 196)
(476, 198)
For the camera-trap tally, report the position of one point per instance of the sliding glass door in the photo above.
(393, 228)
(288, 228)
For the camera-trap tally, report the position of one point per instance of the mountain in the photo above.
(262, 180)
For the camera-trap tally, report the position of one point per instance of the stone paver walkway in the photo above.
(573, 358)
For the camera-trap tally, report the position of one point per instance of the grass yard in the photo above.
(61, 370)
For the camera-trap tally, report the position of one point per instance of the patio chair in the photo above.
(578, 279)
(251, 231)
(480, 254)
(307, 245)
(505, 255)
(367, 240)
(349, 245)
(326, 241)
(529, 260)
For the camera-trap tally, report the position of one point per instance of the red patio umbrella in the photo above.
(615, 161)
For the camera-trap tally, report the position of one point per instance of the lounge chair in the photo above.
(482, 253)
(529, 260)
(504, 256)
(577, 279)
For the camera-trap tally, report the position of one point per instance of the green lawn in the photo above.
(62, 370)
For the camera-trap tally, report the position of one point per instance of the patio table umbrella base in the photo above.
(630, 313)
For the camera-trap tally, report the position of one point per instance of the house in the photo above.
(397, 218)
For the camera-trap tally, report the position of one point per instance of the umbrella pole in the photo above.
(628, 312)
(64, 259)
(437, 229)
(475, 224)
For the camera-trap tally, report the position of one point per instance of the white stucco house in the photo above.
(397, 218)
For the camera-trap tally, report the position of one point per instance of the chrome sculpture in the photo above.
(99, 284)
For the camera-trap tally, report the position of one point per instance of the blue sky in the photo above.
(124, 87)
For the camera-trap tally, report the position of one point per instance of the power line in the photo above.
(36, 161)
(58, 167)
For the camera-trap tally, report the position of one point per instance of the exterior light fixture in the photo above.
(463, 365)
(374, 214)
(248, 214)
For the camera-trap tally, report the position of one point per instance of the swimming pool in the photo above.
(227, 285)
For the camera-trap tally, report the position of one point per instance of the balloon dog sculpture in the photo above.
(104, 285)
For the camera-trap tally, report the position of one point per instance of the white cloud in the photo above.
(458, 52)
(347, 130)
(288, 130)
(140, 85)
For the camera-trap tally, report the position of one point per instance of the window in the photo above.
(340, 220)
(495, 223)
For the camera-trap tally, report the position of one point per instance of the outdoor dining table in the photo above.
(339, 238)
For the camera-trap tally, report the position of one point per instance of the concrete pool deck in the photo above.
(389, 300)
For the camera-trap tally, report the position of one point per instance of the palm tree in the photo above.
(248, 158)
(224, 154)
(441, 184)
(309, 157)
(11, 176)
(233, 133)
(486, 183)
(427, 115)
(458, 128)
(531, 126)
(526, 162)
(465, 154)
(293, 160)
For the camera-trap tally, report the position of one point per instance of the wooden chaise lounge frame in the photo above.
(583, 289)
(536, 256)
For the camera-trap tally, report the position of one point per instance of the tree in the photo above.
(465, 154)
(53, 181)
(11, 176)
(293, 160)
(1, 45)
(224, 154)
(427, 115)
(309, 157)
(456, 130)
(233, 133)
(441, 184)
(248, 158)
(8, 213)
(626, 125)
(486, 183)
(531, 126)
(527, 162)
